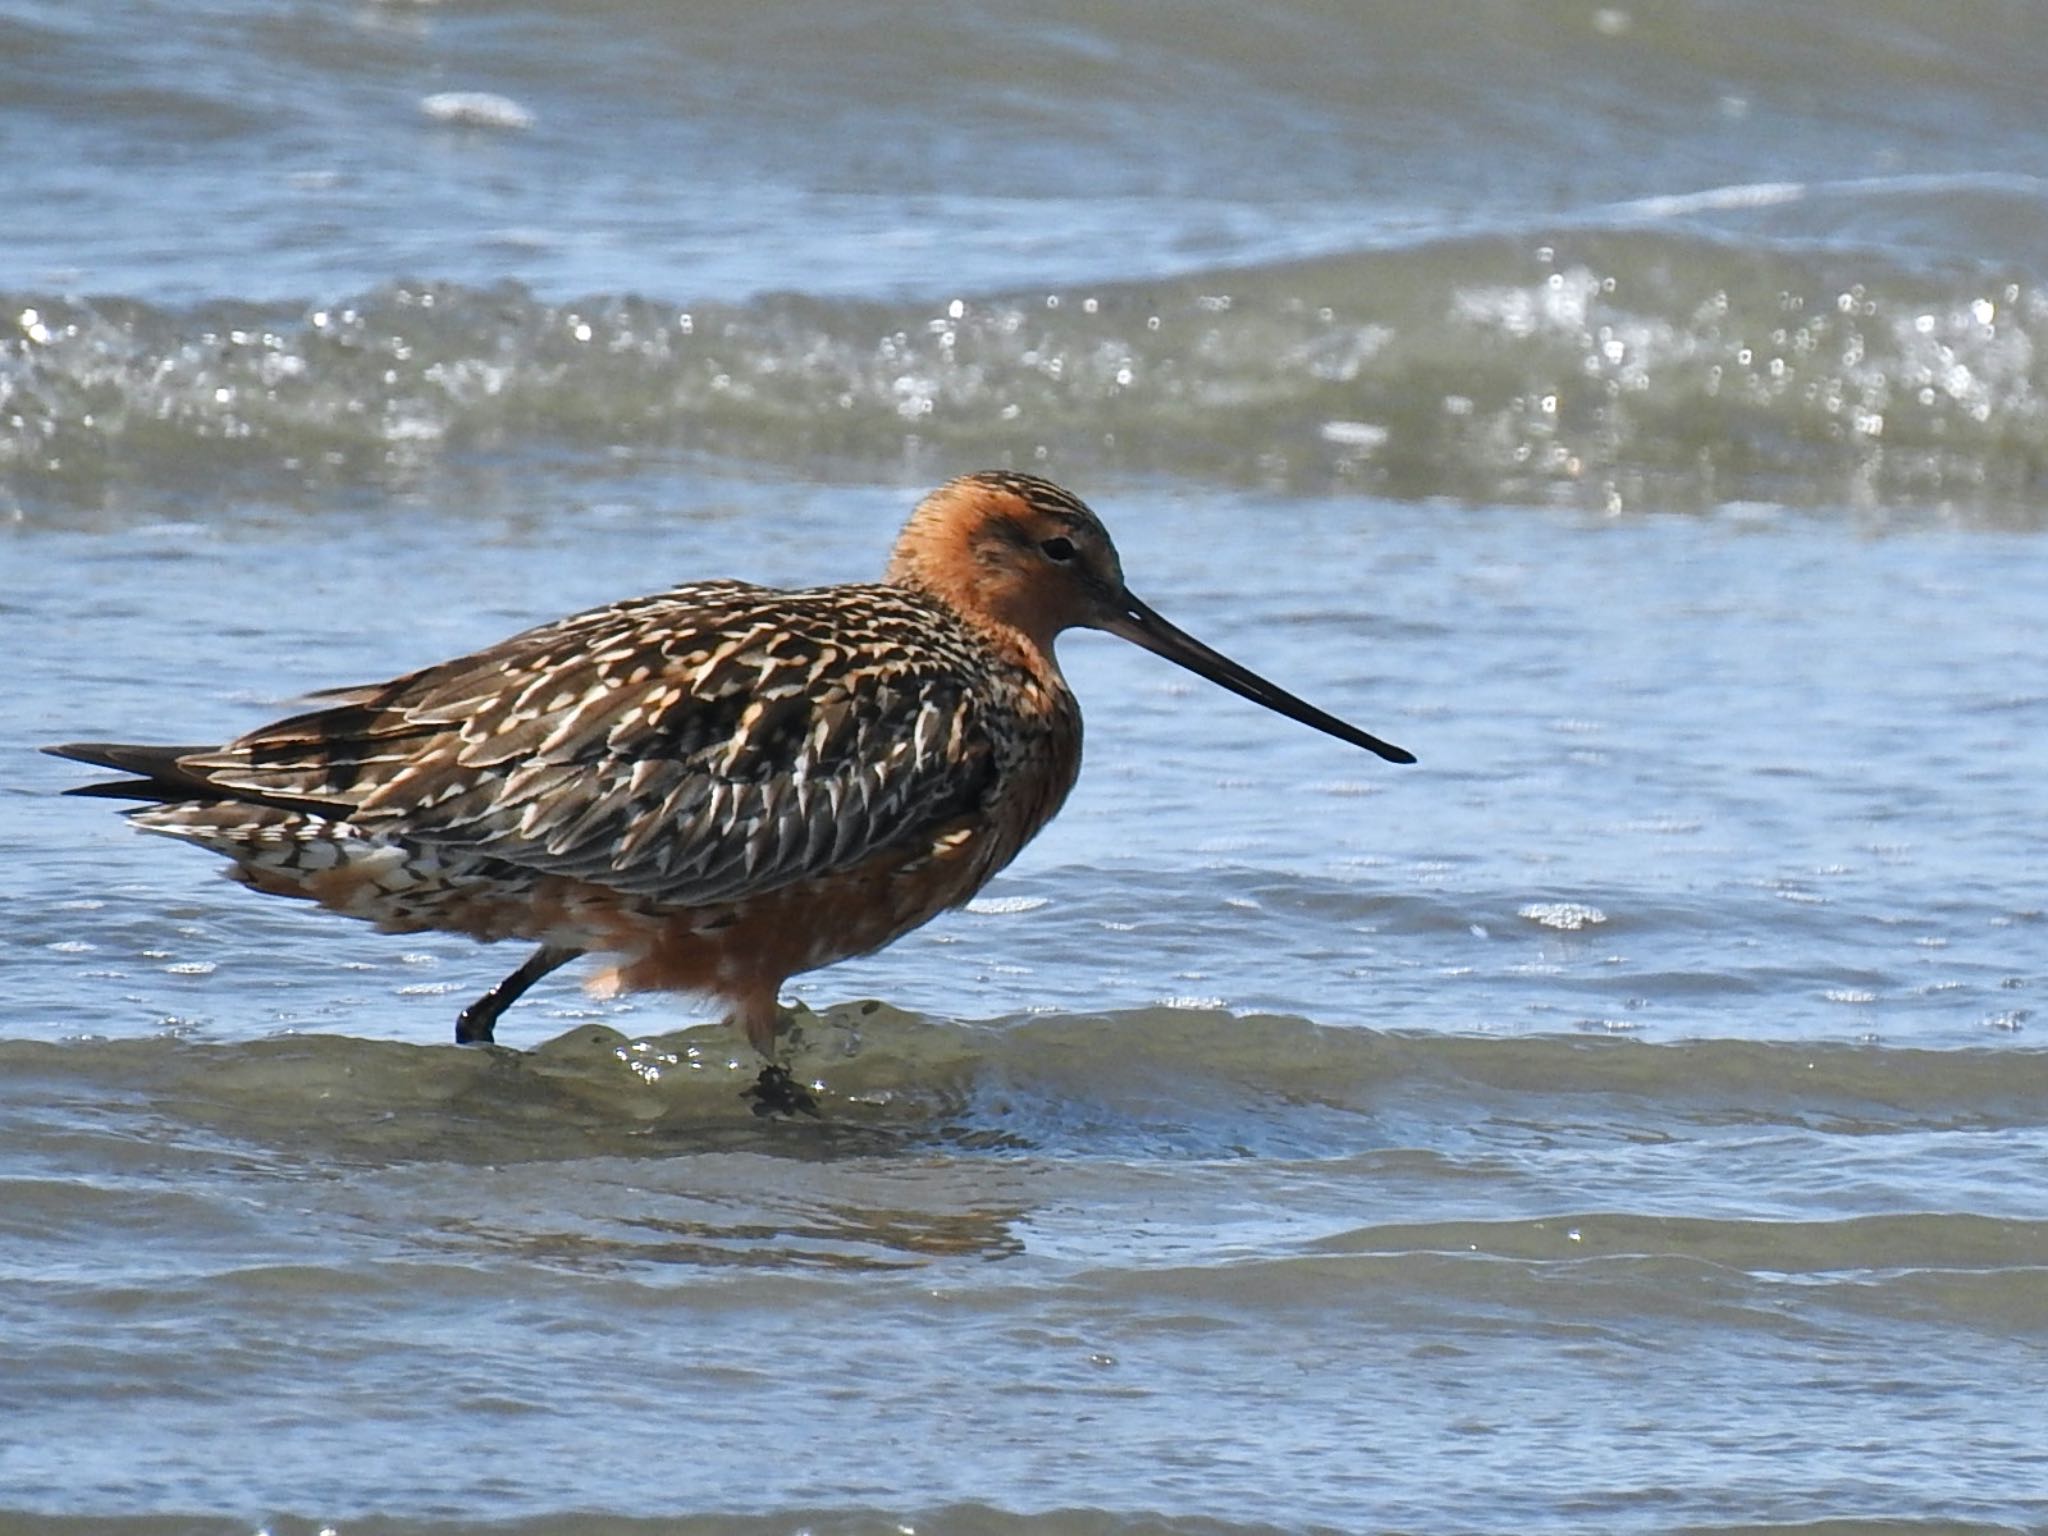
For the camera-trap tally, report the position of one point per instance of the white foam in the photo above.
(1568, 915)
(476, 109)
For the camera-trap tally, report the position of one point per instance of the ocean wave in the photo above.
(1616, 368)
(1160, 1081)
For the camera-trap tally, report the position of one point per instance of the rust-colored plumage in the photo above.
(719, 786)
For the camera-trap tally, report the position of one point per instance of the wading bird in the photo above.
(718, 786)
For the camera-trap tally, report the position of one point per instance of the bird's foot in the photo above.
(475, 1025)
(775, 1092)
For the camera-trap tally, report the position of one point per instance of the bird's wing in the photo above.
(709, 742)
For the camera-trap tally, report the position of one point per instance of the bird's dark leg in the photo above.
(475, 1023)
(775, 1091)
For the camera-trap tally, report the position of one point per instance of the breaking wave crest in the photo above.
(1613, 368)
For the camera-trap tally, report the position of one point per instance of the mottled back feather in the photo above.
(709, 742)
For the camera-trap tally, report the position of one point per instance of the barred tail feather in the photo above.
(158, 776)
(162, 777)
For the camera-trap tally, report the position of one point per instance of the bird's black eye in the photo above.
(1058, 549)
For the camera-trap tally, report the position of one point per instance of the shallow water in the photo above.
(1628, 1118)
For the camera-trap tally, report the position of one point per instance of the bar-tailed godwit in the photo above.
(716, 787)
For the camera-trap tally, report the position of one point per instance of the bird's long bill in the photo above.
(1141, 626)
